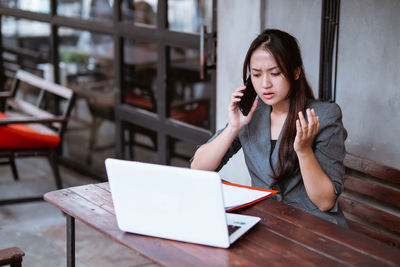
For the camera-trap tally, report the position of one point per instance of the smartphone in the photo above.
(249, 95)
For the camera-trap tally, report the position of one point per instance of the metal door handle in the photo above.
(203, 54)
(207, 47)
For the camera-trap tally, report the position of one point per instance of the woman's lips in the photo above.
(268, 95)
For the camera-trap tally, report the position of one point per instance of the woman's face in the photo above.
(270, 83)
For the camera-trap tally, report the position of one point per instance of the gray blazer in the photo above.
(328, 147)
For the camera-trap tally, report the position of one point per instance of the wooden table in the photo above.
(285, 236)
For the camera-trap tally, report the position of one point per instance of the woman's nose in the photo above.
(266, 81)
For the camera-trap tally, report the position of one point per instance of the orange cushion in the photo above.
(195, 116)
(138, 100)
(19, 136)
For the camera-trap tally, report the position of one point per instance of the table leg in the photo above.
(70, 241)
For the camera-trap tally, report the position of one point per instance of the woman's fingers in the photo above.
(316, 119)
(306, 131)
(311, 118)
(235, 98)
(299, 129)
(303, 123)
(237, 94)
(311, 127)
(240, 89)
(313, 121)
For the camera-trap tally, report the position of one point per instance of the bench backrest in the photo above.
(371, 199)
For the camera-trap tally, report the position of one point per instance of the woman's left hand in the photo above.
(305, 133)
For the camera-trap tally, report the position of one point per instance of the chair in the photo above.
(30, 129)
(100, 96)
(193, 112)
(11, 256)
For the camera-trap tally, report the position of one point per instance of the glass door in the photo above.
(143, 72)
(166, 98)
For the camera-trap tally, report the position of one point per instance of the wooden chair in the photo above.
(195, 111)
(33, 129)
(100, 101)
(371, 199)
(15, 57)
(11, 256)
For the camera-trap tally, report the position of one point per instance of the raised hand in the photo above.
(305, 133)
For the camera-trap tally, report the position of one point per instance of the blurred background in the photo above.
(135, 66)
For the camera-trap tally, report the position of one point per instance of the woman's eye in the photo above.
(276, 73)
(256, 75)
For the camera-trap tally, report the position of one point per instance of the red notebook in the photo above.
(237, 196)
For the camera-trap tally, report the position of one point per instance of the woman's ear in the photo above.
(297, 72)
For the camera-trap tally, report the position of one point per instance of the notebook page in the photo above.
(235, 196)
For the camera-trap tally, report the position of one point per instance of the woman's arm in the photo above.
(209, 155)
(318, 185)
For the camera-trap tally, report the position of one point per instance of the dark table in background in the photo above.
(285, 236)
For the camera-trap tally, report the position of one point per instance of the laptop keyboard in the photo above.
(232, 229)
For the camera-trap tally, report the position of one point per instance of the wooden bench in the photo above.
(11, 256)
(371, 199)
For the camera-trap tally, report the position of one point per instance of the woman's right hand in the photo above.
(236, 118)
(209, 156)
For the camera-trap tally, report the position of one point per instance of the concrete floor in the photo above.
(38, 228)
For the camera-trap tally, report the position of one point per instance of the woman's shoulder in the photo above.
(325, 110)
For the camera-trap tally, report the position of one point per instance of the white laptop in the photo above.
(175, 203)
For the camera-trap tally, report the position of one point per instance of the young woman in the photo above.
(291, 142)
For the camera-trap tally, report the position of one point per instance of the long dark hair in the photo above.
(286, 52)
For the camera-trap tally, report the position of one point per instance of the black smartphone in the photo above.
(249, 95)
